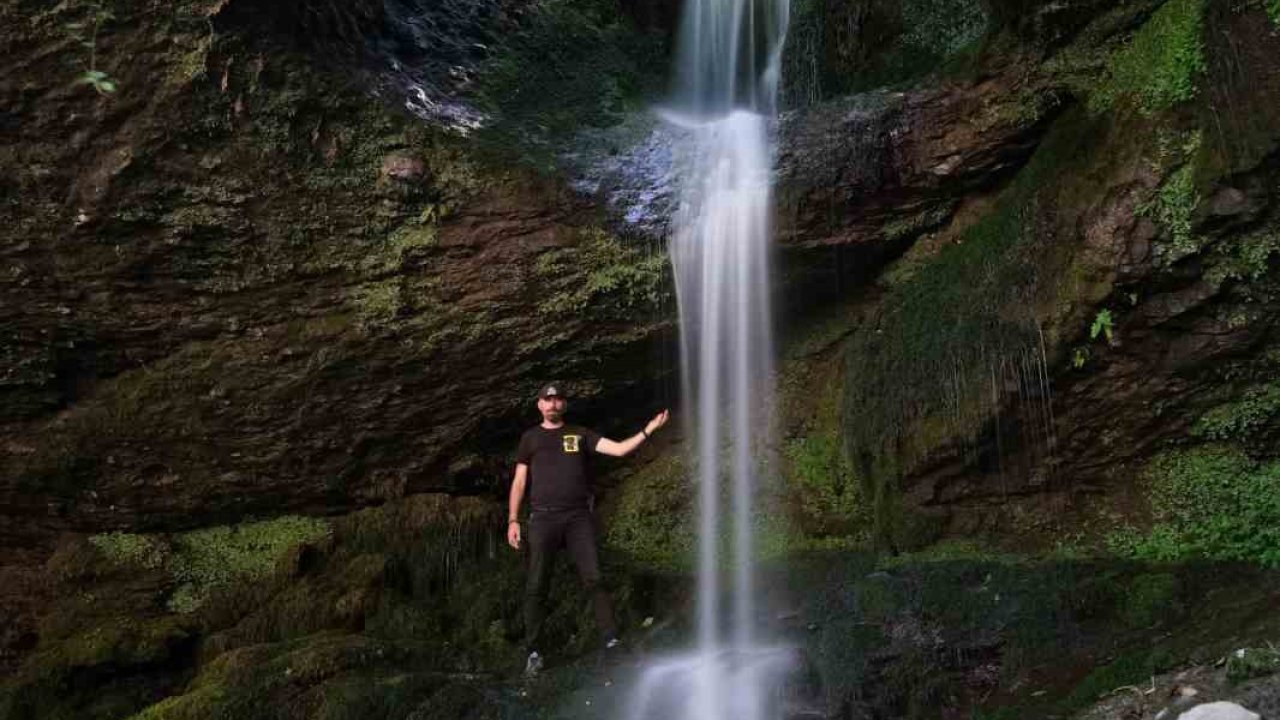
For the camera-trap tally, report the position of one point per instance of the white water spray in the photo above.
(728, 73)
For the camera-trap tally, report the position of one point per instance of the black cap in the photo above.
(552, 390)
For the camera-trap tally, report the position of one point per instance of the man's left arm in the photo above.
(617, 448)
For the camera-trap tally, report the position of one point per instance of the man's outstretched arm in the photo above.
(513, 505)
(620, 448)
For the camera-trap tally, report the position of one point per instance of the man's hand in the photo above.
(621, 449)
(657, 422)
(513, 535)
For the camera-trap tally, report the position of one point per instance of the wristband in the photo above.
(645, 433)
(513, 520)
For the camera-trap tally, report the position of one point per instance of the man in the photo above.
(551, 464)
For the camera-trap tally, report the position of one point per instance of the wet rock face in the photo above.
(876, 166)
(866, 170)
(240, 285)
(943, 172)
(426, 55)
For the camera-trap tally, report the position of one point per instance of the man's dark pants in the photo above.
(548, 531)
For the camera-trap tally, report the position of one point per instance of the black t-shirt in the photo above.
(559, 476)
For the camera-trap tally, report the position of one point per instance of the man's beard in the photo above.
(555, 415)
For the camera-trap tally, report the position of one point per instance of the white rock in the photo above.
(1219, 711)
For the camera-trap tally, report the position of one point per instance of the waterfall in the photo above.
(728, 70)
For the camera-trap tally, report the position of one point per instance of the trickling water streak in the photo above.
(1050, 425)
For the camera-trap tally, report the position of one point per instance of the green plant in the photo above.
(1079, 356)
(1209, 502)
(1102, 325)
(1176, 201)
(1273, 9)
(92, 76)
(1241, 419)
(1246, 259)
(1159, 66)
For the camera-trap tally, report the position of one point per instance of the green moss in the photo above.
(913, 225)
(189, 65)
(1130, 669)
(77, 675)
(921, 370)
(822, 477)
(819, 476)
(950, 551)
(131, 549)
(317, 671)
(601, 275)
(378, 303)
(1148, 598)
(1159, 67)
(212, 558)
(1209, 502)
(651, 521)
(943, 28)
(123, 641)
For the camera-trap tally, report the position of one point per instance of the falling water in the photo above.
(728, 72)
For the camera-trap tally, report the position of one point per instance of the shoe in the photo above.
(611, 659)
(533, 665)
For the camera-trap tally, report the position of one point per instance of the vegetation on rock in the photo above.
(234, 244)
(602, 276)
(924, 366)
(211, 558)
(1161, 64)
(571, 64)
(1245, 421)
(842, 46)
(1209, 502)
(1174, 203)
(651, 520)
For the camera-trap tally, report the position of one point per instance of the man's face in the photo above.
(552, 408)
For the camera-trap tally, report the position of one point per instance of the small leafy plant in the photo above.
(86, 33)
(1102, 326)
(99, 81)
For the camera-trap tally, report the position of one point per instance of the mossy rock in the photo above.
(835, 47)
(1161, 64)
(650, 515)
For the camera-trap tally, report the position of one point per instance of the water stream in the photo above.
(726, 90)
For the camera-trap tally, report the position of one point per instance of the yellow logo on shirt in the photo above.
(571, 443)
